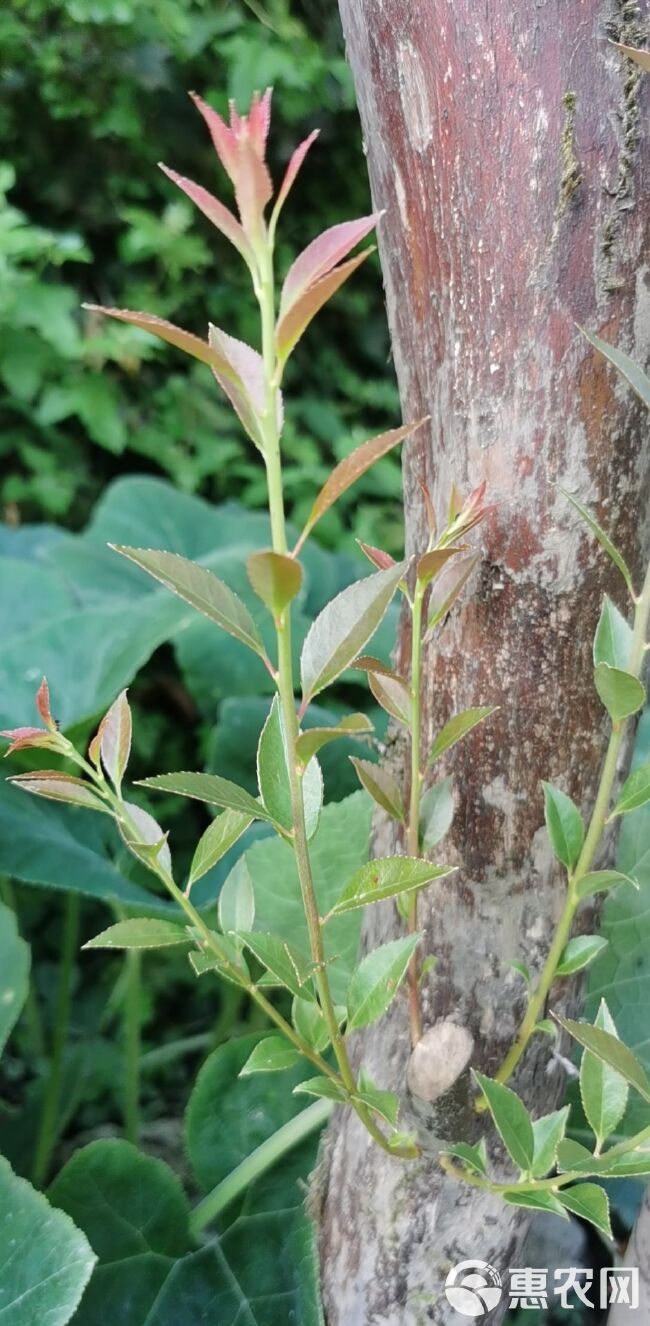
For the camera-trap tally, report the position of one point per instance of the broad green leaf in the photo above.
(381, 786)
(604, 1092)
(512, 1121)
(237, 899)
(457, 728)
(565, 826)
(436, 813)
(218, 838)
(637, 379)
(613, 638)
(621, 692)
(579, 952)
(45, 1261)
(321, 1086)
(229, 956)
(471, 1156)
(351, 468)
(273, 776)
(133, 1210)
(600, 881)
(635, 791)
(210, 788)
(56, 786)
(377, 979)
(310, 1023)
(15, 959)
(603, 539)
(272, 1055)
(641, 58)
(343, 628)
(290, 967)
(572, 1155)
(114, 740)
(589, 1201)
(610, 1051)
(144, 836)
(535, 1201)
(547, 1135)
(384, 1103)
(201, 589)
(140, 932)
(386, 878)
(276, 579)
(311, 741)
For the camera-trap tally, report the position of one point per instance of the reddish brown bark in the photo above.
(504, 143)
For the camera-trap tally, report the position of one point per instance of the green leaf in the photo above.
(45, 1261)
(310, 1023)
(547, 1135)
(613, 638)
(311, 741)
(564, 823)
(436, 813)
(603, 538)
(637, 379)
(604, 1092)
(230, 955)
(589, 1201)
(290, 967)
(218, 838)
(381, 786)
(600, 881)
(579, 953)
(272, 1055)
(113, 740)
(386, 878)
(56, 786)
(144, 836)
(321, 1086)
(384, 1103)
(377, 979)
(210, 788)
(343, 628)
(276, 579)
(237, 899)
(201, 589)
(15, 959)
(635, 791)
(471, 1156)
(572, 1155)
(512, 1121)
(610, 1051)
(140, 932)
(457, 728)
(535, 1201)
(621, 692)
(521, 969)
(273, 776)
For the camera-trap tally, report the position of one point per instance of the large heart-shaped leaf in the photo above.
(14, 972)
(45, 1261)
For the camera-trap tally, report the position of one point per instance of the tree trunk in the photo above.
(503, 143)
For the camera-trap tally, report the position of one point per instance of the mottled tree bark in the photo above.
(504, 143)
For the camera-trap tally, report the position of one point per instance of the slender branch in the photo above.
(258, 1162)
(413, 828)
(49, 1121)
(592, 840)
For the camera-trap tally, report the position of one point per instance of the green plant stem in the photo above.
(48, 1127)
(258, 1162)
(266, 298)
(593, 836)
(133, 965)
(413, 830)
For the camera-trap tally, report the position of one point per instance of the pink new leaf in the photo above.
(322, 255)
(243, 382)
(298, 317)
(223, 137)
(215, 211)
(25, 738)
(44, 707)
(291, 172)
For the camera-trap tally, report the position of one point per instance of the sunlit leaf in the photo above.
(579, 953)
(275, 578)
(386, 878)
(140, 932)
(311, 741)
(272, 1055)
